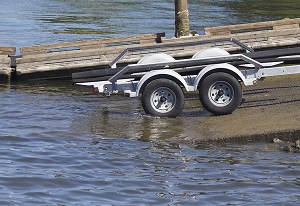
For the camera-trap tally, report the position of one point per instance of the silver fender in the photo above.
(165, 73)
(223, 67)
(156, 58)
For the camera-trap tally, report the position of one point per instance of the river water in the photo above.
(61, 145)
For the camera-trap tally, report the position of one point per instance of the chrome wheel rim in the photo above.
(163, 100)
(221, 93)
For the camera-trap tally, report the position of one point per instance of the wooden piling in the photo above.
(182, 24)
(5, 62)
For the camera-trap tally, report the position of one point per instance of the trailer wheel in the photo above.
(163, 98)
(220, 93)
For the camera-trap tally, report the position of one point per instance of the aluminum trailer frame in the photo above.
(286, 54)
(248, 76)
(102, 74)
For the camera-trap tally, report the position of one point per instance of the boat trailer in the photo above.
(161, 81)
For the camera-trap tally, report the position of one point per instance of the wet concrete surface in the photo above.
(270, 109)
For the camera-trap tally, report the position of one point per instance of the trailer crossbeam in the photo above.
(113, 64)
(184, 64)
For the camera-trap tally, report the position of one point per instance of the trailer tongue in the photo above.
(160, 80)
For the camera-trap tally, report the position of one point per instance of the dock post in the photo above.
(5, 63)
(182, 24)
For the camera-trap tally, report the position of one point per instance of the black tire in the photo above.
(163, 98)
(220, 93)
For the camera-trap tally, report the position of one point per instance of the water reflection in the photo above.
(118, 116)
(207, 13)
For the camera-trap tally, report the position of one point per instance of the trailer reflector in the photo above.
(129, 93)
(95, 90)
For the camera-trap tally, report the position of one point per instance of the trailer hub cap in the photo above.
(221, 93)
(163, 99)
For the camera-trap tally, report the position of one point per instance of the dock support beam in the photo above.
(182, 24)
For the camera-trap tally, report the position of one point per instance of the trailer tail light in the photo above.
(129, 93)
(95, 90)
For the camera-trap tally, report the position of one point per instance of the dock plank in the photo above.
(5, 69)
(250, 27)
(92, 44)
(7, 50)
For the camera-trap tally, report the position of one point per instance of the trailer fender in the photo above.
(227, 68)
(160, 74)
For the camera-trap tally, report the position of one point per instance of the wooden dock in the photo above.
(62, 59)
(5, 62)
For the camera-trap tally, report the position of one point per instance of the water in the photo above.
(31, 22)
(61, 145)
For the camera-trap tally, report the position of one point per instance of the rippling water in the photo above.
(61, 145)
(31, 22)
(65, 147)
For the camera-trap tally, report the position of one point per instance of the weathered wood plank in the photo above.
(5, 70)
(102, 61)
(252, 36)
(7, 50)
(100, 54)
(91, 44)
(107, 52)
(256, 40)
(244, 28)
(4, 60)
